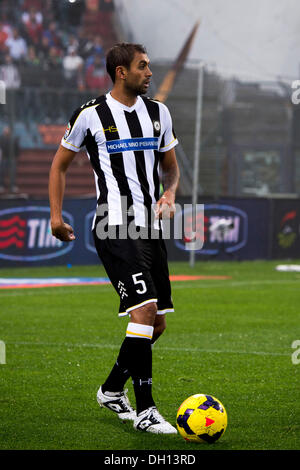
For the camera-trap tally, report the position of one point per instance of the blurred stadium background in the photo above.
(52, 55)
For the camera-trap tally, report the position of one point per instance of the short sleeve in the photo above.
(76, 131)
(168, 139)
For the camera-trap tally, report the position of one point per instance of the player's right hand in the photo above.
(63, 232)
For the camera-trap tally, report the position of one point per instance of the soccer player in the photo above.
(129, 140)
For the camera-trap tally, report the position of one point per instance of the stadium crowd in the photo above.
(43, 43)
(52, 55)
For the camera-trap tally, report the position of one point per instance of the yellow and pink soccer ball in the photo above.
(201, 418)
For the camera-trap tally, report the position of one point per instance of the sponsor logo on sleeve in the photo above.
(68, 130)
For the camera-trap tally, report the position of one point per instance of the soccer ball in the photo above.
(201, 418)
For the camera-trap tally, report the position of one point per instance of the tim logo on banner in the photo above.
(25, 234)
(225, 228)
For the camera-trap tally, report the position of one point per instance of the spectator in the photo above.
(51, 32)
(33, 28)
(43, 49)
(17, 46)
(72, 66)
(92, 48)
(96, 77)
(53, 68)
(9, 73)
(32, 59)
(31, 77)
(32, 15)
(5, 33)
(55, 58)
(72, 41)
(10, 150)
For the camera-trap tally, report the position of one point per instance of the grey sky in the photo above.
(258, 38)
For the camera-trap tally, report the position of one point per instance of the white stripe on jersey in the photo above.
(113, 198)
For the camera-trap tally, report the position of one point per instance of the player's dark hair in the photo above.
(121, 54)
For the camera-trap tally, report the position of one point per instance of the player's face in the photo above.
(138, 75)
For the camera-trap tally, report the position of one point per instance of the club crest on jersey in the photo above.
(156, 125)
(67, 130)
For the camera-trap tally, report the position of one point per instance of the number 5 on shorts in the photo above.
(142, 283)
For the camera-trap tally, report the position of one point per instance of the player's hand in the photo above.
(165, 206)
(63, 232)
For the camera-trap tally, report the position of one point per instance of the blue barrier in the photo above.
(259, 229)
(247, 236)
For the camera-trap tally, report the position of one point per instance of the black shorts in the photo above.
(138, 270)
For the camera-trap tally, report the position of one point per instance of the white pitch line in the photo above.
(238, 283)
(165, 348)
(61, 290)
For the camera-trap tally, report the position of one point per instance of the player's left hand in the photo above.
(165, 206)
(63, 232)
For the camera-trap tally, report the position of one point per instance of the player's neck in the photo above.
(127, 99)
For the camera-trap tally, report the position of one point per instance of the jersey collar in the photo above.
(112, 102)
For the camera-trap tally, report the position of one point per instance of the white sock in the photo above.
(137, 330)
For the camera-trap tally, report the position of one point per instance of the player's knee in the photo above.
(149, 312)
(145, 314)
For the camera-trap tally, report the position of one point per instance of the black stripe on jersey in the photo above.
(156, 175)
(162, 144)
(76, 113)
(116, 159)
(92, 150)
(153, 110)
(136, 131)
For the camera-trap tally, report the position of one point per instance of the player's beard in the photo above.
(137, 90)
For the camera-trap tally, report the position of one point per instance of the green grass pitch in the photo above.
(229, 338)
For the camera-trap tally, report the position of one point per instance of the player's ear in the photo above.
(121, 72)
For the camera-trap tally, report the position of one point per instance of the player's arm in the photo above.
(57, 182)
(170, 180)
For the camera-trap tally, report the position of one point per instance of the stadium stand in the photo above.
(240, 121)
(51, 60)
(247, 128)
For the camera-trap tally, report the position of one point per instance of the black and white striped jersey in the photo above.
(125, 146)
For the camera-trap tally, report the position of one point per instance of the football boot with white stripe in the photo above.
(150, 420)
(118, 403)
